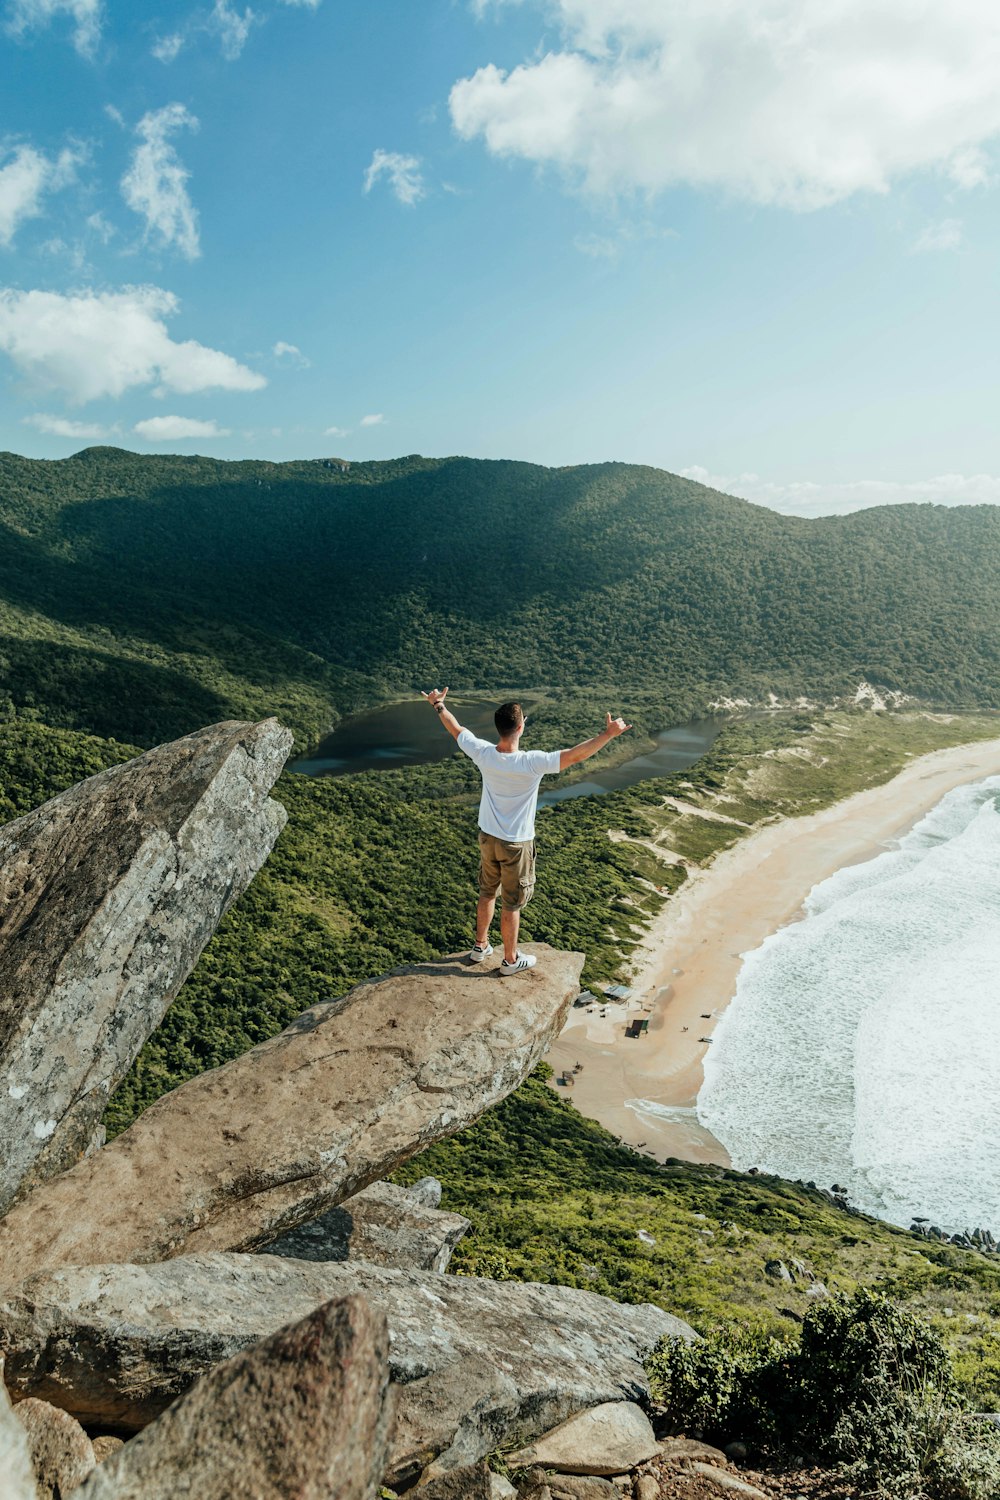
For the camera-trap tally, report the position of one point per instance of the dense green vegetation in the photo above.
(186, 589)
(870, 1389)
(349, 892)
(143, 597)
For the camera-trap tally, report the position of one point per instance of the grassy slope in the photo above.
(551, 1195)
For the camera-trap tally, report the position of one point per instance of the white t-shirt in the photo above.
(510, 786)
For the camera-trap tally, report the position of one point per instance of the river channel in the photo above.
(408, 734)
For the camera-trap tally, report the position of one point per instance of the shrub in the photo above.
(725, 1386)
(869, 1390)
(865, 1368)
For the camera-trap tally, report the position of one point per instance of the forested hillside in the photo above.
(349, 892)
(187, 589)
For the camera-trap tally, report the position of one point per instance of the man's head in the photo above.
(509, 719)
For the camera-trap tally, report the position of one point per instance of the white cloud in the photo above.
(336, 431)
(304, 4)
(291, 353)
(173, 429)
(232, 28)
(598, 246)
(26, 15)
(808, 498)
(25, 177)
(792, 102)
(944, 236)
(93, 344)
(67, 428)
(155, 184)
(611, 246)
(100, 226)
(374, 420)
(166, 48)
(403, 172)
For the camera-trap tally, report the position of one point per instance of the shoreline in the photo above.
(686, 966)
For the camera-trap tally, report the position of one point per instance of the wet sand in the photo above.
(686, 967)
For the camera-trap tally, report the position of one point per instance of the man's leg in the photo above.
(510, 924)
(484, 917)
(489, 884)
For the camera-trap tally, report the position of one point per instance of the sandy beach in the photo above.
(686, 968)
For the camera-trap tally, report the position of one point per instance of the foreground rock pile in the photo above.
(228, 1300)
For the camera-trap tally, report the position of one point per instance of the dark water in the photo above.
(676, 750)
(401, 734)
(409, 734)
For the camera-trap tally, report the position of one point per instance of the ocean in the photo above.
(862, 1047)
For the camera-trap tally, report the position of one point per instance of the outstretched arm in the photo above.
(583, 751)
(436, 698)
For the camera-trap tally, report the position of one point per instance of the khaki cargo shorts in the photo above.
(509, 868)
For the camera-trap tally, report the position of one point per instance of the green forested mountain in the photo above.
(188, 589)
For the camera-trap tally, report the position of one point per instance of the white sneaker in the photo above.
(477, 954)
(522, 961)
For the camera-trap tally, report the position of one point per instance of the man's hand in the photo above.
(612, 729)
(436, 698)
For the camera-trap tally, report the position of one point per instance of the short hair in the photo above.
(508, 717)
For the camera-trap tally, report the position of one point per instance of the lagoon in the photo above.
(408, 734)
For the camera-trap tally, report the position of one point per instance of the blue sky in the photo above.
(755, 242)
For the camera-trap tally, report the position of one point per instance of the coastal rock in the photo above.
(306, 1413)
(109, 893)
(471, 1482)
(105, 1445)
(16, 1469)
(61, 1452)
(727, 1484)
(426, 1190)
(612, 1438)
(385, 1225)
(585, 1487)
(352, 1088)
(682, 1449)
(480, 1363)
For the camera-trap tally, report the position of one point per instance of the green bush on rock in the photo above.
(869, 1389)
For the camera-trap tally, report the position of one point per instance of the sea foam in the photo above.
(863, 1043)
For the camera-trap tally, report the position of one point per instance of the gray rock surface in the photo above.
(471, 1482)
(480, 1363)
(105, 1445)
(584, 1487)
(426, 1190)
(385, 1225)
(61, 1452)
(352, 1088)
(108, 893)
(305, 1413)
(728, 1484)
(15, 1456)
(683, 1449)
(612, 1438)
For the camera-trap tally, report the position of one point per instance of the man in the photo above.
(507, 817)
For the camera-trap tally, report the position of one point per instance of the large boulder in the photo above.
(16, 1468)
(250, 1150)
(305, 1413)
(609, 1439)
(481, 1363)
(62, 1454)
(383, 1224)
(108, 894)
